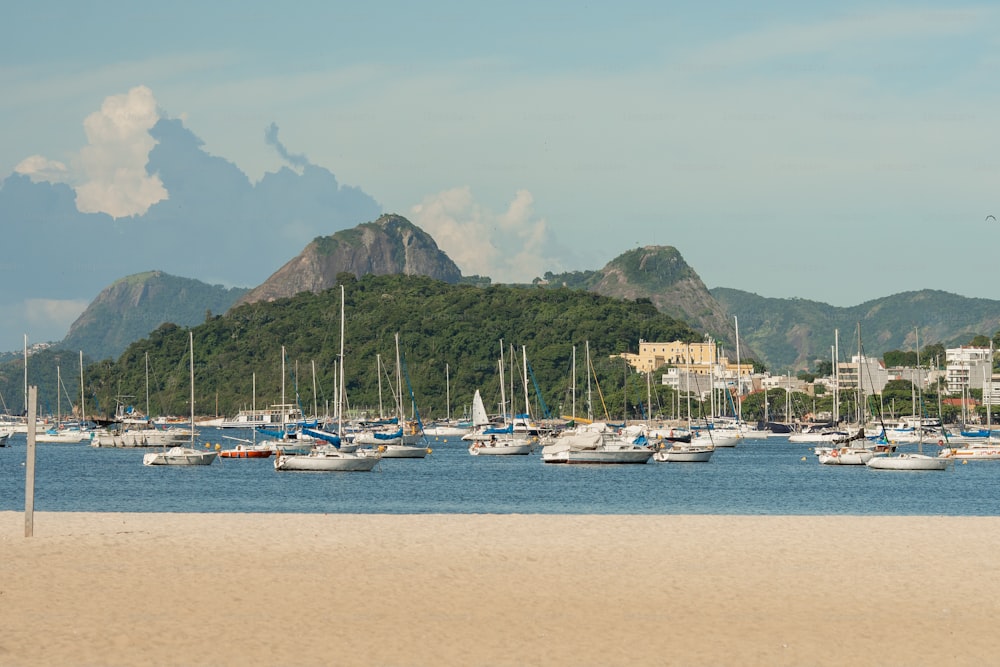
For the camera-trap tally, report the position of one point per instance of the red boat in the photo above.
(241, 452)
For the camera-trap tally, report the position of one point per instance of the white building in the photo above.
(967, 367)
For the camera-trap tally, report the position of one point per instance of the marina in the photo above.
(759, 477)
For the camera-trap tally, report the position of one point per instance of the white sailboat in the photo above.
(329, 457)
(493, 444)
(411, 444)
(909, 460)
(58, 433)
(179, 455)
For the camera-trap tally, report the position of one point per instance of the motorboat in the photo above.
(328, 458)
(909, 461)
(594, 445)
(684, 453)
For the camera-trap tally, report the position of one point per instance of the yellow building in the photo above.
(698, 358)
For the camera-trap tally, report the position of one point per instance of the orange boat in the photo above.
(241, 452)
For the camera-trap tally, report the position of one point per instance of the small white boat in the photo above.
(502, 447)
(907, 461)
(987, 451)
(403, 451)
(684, 453)
(844, 456)
(183, 456)
(179, 456)
(328, 459)
(594, 446)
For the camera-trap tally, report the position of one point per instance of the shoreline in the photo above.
(513, 589)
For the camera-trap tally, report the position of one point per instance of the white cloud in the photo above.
(114, 162)
(508, 247)
(38, 168)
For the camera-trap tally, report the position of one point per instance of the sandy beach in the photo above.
(251, 589)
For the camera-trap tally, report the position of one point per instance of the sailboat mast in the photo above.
(573, 375)
(340, 379)
(524, 358)
(739, 375)
(447, 393)
(378, 371)
(83, 400)
(399, 385)
(191, 345)
(315, 403)
(147, 386)
(503, 395)
(284, 409)
(590, 402)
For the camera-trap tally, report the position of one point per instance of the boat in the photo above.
(274, 415)
(180, 455)
(843, 452)
(681, 452)
(411, 443)
(329, 457)
(502, 443)
(594, 443)
(909, 461)
(978, 451)
(247, 451)
(447, 427)
(4, 437)
(58, 433)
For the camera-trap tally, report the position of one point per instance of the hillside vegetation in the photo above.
(439, 324)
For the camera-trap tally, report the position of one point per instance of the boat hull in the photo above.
(513, 449)
(693, 455)
(321, 462)
(909, 462)
(637, 456)
(179, 456)
(403, 451)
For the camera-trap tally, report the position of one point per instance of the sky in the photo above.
(831, 151)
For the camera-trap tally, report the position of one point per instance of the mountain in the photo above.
(659, 274)
(132, 307)
(794, 333)
(443, 328)
(388, 246)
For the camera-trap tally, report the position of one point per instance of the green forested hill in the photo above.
(793, 333)
(438, 324)
(131, 307)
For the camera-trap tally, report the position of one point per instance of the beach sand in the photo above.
(275, 589)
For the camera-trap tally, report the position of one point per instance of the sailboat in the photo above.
(909, 460)
(58, 433)
(179, 455)
(595, 442)
(410, 444)
(329, 457)
(448, 427)
(680, 450)
(500, 441)
(843, 450)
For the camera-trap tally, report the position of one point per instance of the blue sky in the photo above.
(835, 151)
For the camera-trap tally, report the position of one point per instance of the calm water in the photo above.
(757, 477)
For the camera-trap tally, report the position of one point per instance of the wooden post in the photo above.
(29, 466)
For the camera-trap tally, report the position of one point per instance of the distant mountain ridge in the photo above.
(130, 308)
(389, 245)
(794, 333)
